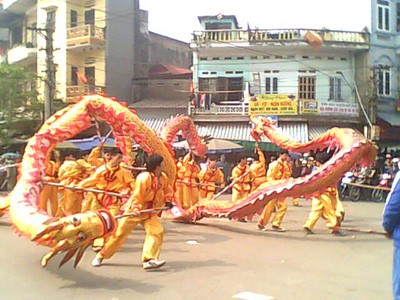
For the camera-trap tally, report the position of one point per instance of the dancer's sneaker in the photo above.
(153, 264)
(308, 230)
(260, 227)
(96, 262)
(278, 229)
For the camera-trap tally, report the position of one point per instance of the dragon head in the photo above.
(74, 234)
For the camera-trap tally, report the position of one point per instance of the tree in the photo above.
(20, 111)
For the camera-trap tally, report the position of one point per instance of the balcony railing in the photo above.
(74, 91)
(85, 35)
(22, 54)
(279, 35)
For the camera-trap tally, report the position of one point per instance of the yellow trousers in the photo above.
(267, 212)
(321, 205)
(237, 195)
(90, 202)
(204, 195)
(190, 196)
(179, 194)
(49, 194)
(70, 203)
(280, 208)
(152, 243)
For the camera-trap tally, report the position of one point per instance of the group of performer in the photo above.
(76, 177)
(104, 170)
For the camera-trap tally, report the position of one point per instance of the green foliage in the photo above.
(20, 111)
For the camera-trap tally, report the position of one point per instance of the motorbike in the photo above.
(344, 187)
(357, 192)
(379, 195)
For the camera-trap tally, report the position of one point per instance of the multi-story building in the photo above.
(384, 64)
(107, 41)
(307, 78)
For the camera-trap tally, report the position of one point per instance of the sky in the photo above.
(178, 18)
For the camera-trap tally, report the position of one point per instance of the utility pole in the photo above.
(50, 81)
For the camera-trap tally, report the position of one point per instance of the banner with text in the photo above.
(266, 104)
(329, 108)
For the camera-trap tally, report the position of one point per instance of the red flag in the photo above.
(81, 77)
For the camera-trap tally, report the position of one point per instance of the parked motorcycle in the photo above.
(357, 192)
(344, 187)
(379, 195)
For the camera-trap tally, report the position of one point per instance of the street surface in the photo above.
(216, 259)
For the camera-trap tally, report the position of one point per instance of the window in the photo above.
(384, 82)
(335, 88)
(90, 75)
(222, 88)
(89, 17)
(307, 87)
(383, 15)
(398, 16)
(271, 85)
(74, 18)
(74, 76)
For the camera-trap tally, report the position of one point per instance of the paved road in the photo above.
(230, 258)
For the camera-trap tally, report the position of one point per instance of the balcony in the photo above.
(18, 7)
(23, 55)
(85, 36)
(289, 36)
(75, 91)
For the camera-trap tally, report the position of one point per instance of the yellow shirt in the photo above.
(109, 179)
(258, 167)
(150, 192)
(243, 184)
(211, 177)
(276, 170)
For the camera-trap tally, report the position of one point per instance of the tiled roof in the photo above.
(167, 70)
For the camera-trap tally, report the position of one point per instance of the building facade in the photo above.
(305, 78)
(105, 42)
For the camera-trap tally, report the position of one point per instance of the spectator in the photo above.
(391, 224)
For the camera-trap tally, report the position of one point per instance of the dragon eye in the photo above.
(75, 221)
(81, 236)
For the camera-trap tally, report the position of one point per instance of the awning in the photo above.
(154, 123)
(89, 143)
(315, 131)
(240, 131)
(391, 117)
(237, 131)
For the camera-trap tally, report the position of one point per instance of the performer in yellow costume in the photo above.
(180, 173)
(91, 162)
(49, 193)
(190, 189)
(70, 173)
(242, 178)
(152, 190)
(324, 205)
(209, 178)
(110, 177)
(257, 169)
(277, 170)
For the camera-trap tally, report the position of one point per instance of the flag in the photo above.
(313, 39)
(81, 77)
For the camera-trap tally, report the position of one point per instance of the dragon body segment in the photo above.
(350, 148)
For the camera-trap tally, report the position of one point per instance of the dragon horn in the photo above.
(80, 254)
(56, 226)
(67, 256)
